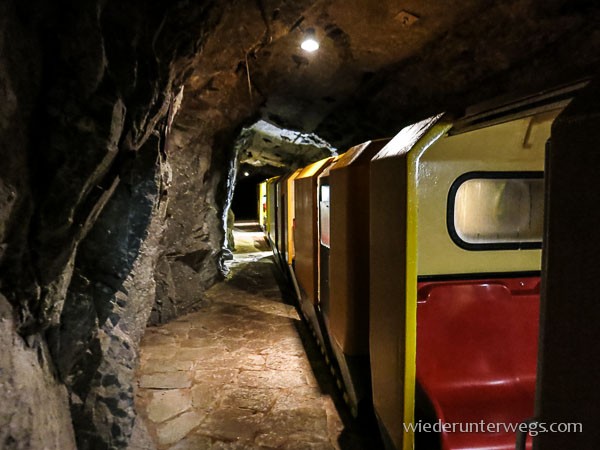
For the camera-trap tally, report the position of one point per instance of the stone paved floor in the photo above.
(242, 372)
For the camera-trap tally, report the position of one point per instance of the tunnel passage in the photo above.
(119, 125)
(245, 198)
(243, 370)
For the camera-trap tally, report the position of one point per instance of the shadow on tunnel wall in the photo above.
(107, 306)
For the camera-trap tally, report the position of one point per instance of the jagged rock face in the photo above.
(108, 304)
(79, 121)
(82, 206)
(34, 413)
(200, 152)
(217, 102)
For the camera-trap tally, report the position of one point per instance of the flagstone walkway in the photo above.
(236, 374)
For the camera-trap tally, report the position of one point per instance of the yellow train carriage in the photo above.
(271, 216)
(305, 237)
(454, 237)
(290, 252)
(344, 264)
(262, 205)
(456, 224)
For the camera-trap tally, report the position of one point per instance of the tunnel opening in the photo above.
(245, 199)
(264, 150)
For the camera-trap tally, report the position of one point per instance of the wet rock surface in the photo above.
(242, 372)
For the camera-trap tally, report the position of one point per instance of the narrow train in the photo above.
(416, 262)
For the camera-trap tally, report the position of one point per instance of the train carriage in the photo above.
(306, 266)
(271, 218)
(262, 205)
(281, 218)
(289, 252)
(455, 276)
(422, 260)
(344, 265)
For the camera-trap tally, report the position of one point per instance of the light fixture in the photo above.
(246, 174)
(310, 44)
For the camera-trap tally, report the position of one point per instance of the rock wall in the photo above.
(88, 100)
(34, 413)
(202, 157)
(109, 203)
(27, 375)
(108, 304)
(200, 152)
(219, 99)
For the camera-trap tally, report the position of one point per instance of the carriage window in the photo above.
(497, 210)
(324, 215)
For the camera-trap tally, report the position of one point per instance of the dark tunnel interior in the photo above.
(126, 132)
(245, 198)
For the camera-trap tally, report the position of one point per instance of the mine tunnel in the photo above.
(299, 224)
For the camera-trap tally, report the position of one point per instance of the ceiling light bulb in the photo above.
(310, 45)
(246, 174)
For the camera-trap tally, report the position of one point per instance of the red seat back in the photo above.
(476, 354)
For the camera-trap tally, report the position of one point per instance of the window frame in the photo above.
(493, 175)
(320, 224)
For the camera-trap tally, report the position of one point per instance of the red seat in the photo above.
(476, 355)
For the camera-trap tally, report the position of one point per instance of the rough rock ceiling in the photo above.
(264, 144)
(358, 39)
(384, 62)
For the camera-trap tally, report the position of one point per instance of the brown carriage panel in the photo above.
(304, 242)
(271, 210)
(306, 230)
(349, 258)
